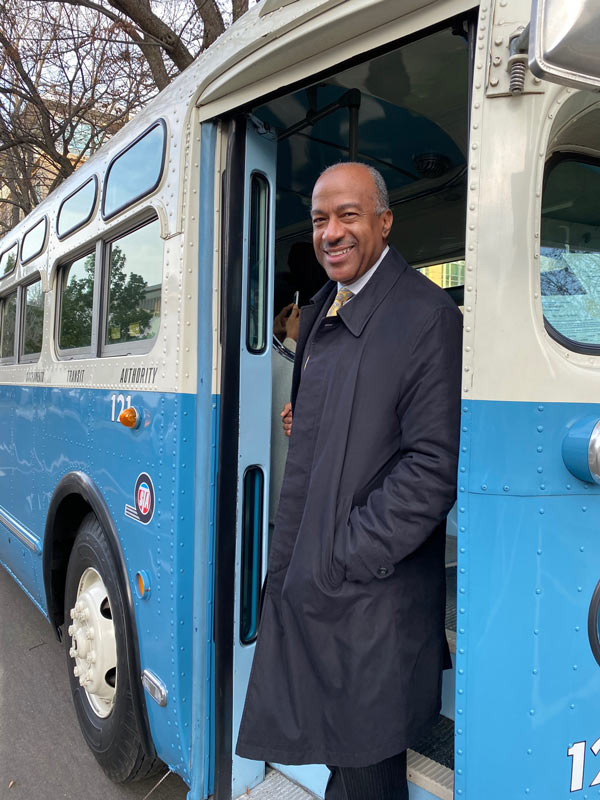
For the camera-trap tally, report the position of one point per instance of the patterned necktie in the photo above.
(341, 297)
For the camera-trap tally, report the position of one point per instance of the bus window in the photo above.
(77, 209)
(34, 240)
(134, 286)
(8, 260)
(450, 277)
(8, 320)
(135, 172)
(76, 303)
(570, 251)
(33, 319)
(256, 331)
(252, 534)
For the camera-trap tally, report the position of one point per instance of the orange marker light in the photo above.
(142, 584)
(129, 417)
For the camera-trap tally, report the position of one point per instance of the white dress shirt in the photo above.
(361, 282)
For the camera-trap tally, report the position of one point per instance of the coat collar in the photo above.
(356, 314)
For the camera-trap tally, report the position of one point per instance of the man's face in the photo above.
(348, 236)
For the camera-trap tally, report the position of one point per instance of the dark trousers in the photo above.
(383, 781)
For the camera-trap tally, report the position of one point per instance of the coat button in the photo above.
(382, 572)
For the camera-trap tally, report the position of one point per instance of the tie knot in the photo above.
(341, 297)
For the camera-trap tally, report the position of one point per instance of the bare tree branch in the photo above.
(72, 72)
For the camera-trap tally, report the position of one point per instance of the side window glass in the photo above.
(8, 260)
(135, 264)
(252, 537)
(76, 302)
(449, 276)
(8, 320)
(135, 172)
(33, 319)
(570, 250)
(33, 241)
(77, 209)
(256, 329)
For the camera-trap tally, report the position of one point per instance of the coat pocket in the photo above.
(337, 561)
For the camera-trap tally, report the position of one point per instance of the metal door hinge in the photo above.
(508, 73)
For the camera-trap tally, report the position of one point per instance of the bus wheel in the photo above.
(97, 658)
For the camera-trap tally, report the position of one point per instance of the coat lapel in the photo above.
(356, 314)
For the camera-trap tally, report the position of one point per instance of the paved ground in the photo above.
(42, 753)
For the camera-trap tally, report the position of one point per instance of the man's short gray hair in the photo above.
(382, 200)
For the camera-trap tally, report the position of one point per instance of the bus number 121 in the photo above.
(122, 402)
(577, 753)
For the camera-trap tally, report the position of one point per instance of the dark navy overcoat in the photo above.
(351, 643)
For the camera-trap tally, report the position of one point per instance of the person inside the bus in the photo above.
(285, 330)
(351, 644)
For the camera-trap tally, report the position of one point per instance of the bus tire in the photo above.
(96, 648)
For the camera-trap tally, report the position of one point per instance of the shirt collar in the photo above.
(361, 282)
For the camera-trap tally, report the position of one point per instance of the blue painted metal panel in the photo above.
(528, 686)
(54, 431)
(210, 754)
(417, 793)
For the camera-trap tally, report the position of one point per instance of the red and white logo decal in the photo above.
(143, 497)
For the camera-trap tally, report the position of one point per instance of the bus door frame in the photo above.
(244, 442)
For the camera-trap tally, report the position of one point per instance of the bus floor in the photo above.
(42, 752)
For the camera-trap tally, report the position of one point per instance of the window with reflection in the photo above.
(135, 172)
(33, 319)
(8, 321)
(76, 304)
(570, 249)
(258, 250)
(135, 264)
(252, 539)
(33, 241)
(77, 209)
(8, 260)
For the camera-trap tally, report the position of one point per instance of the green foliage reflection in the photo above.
(127, 319)
(77, 301)
(34, 319)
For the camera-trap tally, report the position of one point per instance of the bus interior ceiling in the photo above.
(412, 125)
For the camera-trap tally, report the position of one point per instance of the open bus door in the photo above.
(528, 674)
(242, 541)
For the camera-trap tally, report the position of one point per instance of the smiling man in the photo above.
(351, 642)
(351, 222)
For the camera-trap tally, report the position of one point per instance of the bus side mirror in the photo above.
(563, 42)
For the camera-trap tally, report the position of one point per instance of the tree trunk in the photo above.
(239, 7)
(212, 19)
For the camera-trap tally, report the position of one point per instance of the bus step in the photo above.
(277, 787)
(451, 606)
(430, 764)
(451, 551)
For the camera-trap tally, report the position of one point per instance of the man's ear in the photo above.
(387, 219)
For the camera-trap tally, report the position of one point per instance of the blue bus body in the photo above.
(493, 194)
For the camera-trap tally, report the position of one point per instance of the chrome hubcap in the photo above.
(93, 646)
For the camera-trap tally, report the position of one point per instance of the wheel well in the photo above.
(75, 496)
(57, 549)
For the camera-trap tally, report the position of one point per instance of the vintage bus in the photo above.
(139, 379)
